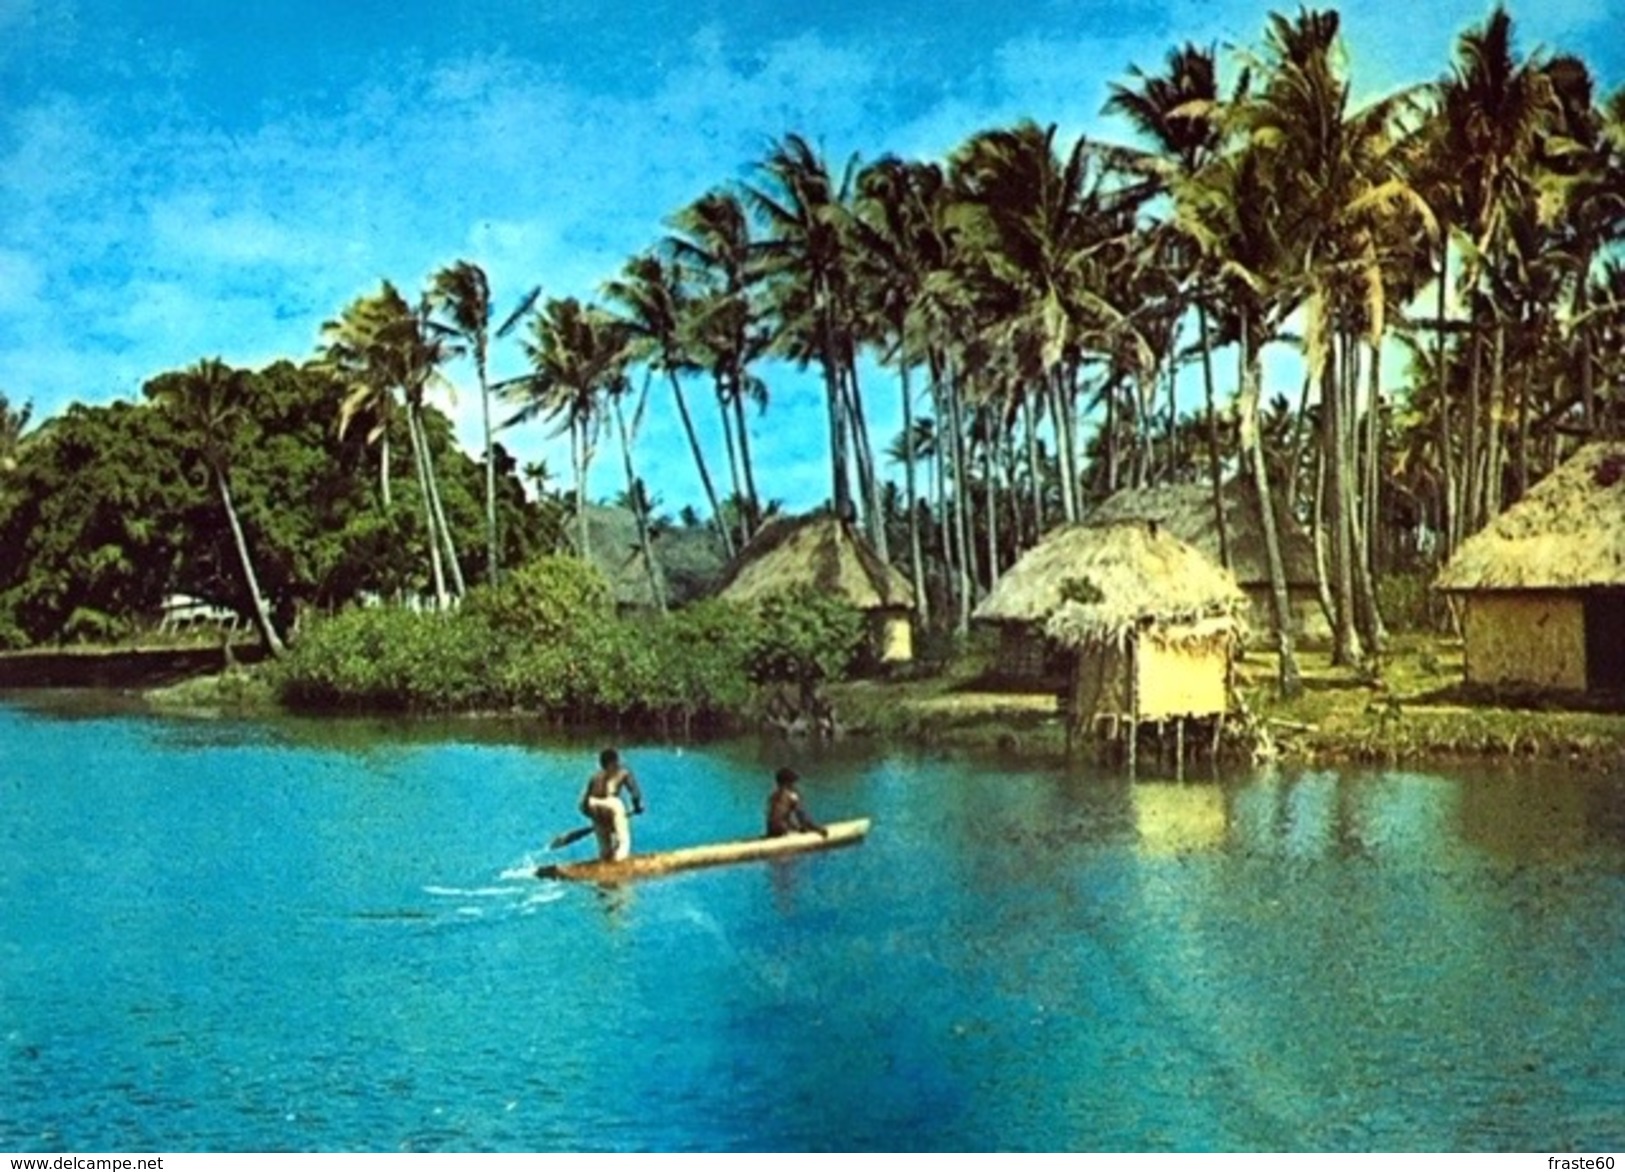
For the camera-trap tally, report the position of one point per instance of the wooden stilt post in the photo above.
(1133, 705)
(1179, 748)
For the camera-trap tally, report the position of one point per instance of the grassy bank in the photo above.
(1416, 711)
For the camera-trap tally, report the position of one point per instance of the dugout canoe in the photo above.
(713, 855)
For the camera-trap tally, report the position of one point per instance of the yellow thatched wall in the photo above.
(1182, 679)
(1528, 638)
(1173, 679)
(893, 636)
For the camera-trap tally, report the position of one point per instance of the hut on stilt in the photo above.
(1147, 624)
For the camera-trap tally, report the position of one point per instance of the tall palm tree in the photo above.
(1228, 210)
(1493, 111)
(462, 293)
(807, 261)
(206, 403)
(1177, 111)
(578, 354)
(383, 345)
(650, 294)
(1338, 188)
(720, 327)
(901, 247)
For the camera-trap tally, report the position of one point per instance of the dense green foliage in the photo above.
(109, 509)
(807, 638)
(1040, 309)
(547, 640)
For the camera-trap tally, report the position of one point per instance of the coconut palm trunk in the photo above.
(1290, 682)
(441, 528)
(640, 515)
(1446, 441)
(1215, 470)
(698, 454)
(436, 566)
(1346, 651)
(916, 552)
(256, 596)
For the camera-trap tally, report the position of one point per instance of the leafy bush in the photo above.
(389, 658)
(523, 649)
(805, 637)
(544, 599)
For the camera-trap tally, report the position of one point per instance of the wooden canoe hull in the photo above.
(712, 855)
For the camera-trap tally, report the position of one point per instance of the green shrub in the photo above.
(805, 637)
(542, 600)
(388, 658)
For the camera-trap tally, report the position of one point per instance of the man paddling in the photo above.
(601, 801)
(785, 813)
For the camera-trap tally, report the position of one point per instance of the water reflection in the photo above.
(1172, 817)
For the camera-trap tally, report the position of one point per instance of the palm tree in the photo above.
(900, 247)
(578, 354)
(350, 353)
(1493, 112)
(1344, 206)
(719, 325)
(463, 294)
(206, 403)
(382, 344)
(1228, 210)
(651, 296)
(807, 261)
(1177, 111)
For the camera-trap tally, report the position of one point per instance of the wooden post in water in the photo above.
(1133, 704)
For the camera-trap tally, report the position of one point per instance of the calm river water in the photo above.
(322, 936)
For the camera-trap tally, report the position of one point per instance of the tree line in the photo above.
(1031, 303)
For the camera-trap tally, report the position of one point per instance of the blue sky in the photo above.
(191, 178)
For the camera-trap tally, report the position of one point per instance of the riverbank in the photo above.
(1419, 711)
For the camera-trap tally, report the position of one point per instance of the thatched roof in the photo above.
(1567, 534)
(1089, 583)
(1186, 511)
(820, 551)
(612, 546)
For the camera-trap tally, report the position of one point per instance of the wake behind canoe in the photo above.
(713, 855)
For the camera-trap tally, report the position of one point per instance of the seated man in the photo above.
(785, 813)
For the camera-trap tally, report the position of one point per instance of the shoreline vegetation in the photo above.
(1056, 324)
(1419, 713)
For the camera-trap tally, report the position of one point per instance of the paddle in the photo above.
(563, 840)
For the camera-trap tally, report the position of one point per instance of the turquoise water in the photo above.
(321, 936)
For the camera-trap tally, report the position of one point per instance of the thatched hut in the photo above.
(1147, 622)
(1186, 511)
(826, 553)
(1542, 587)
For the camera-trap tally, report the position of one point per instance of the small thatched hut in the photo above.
(1186, 511)
(1148, 623)
(1543, 585)
(826, 553)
